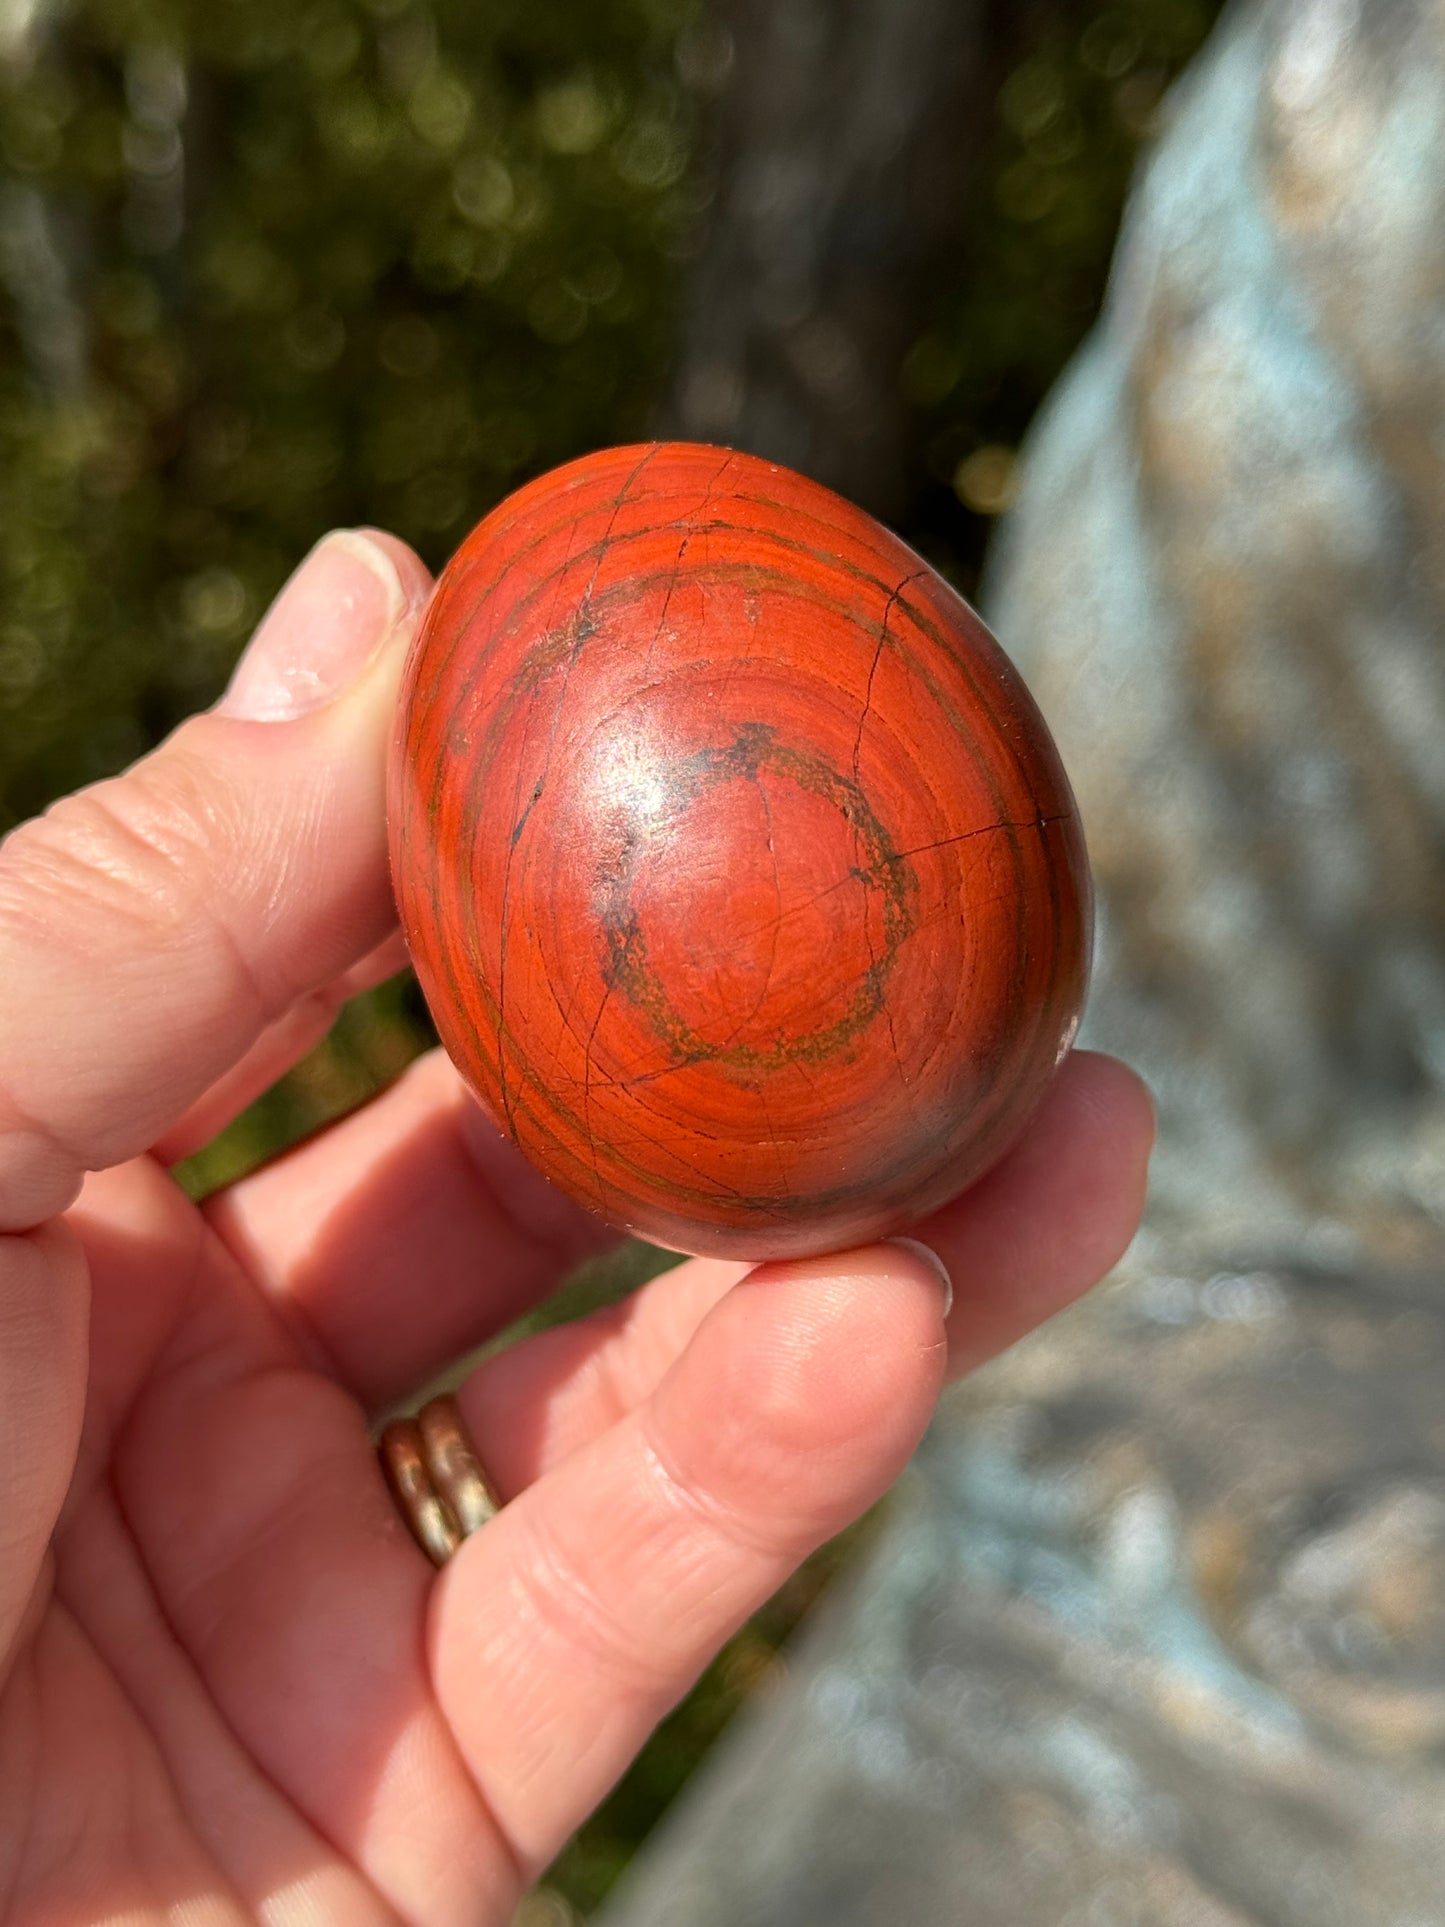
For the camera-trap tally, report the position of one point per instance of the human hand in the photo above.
(231, 1688)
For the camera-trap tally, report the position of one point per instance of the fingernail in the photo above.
(330, 619)
(931, 1258)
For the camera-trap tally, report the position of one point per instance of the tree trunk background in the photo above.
(846, 148)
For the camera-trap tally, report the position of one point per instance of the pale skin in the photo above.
(231, 1688)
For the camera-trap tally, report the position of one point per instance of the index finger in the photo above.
(563, 1631)
(152, 926)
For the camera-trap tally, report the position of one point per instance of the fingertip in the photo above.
(1055, 1215)
(935, 1264)
(1088, 1146)
(415, 577)
(1113, 1094)
(833, 1360)
(352, 593)
(1108, 1116)
(849, 1298)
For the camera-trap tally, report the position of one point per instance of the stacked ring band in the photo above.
(436, 1478)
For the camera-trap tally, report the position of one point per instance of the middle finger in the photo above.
(404, 1236)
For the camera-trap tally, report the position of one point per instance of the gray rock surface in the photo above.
(1226, 585)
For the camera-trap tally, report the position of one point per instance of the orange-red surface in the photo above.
(740, 873)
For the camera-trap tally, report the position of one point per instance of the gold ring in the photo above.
(436, 1478)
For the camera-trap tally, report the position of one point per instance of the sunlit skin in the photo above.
(233, 1688)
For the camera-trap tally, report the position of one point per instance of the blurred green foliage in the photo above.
(270, 268)
(275, 267)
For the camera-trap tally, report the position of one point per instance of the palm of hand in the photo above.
(227, 1693)
(230, 1686)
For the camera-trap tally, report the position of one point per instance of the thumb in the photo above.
(152, 926)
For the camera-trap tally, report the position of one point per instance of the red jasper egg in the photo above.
(739, 870)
